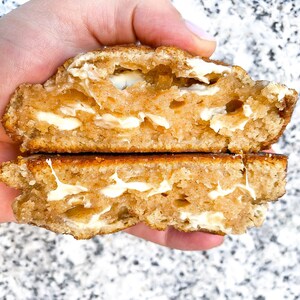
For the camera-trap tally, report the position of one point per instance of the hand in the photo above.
(40, 35)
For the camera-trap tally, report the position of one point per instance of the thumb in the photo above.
(159, 23)
(152, 22)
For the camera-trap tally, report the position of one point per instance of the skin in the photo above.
(39, 36)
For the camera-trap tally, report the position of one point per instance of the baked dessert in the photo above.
(89, 195)
(138, 99)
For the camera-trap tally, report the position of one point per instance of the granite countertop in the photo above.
(263, 37)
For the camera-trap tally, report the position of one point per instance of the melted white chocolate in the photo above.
(79, 200)
(219, 192)
(126, 79)
(218, 124)
(275, 90)
(93, 223)
(158, 120)
(163, 187)
(210, 220)
(201, 68)
(247, 110)
(71, 109)
(111, 121)
(199, 89)
(219, 120)
(86, 71)
(61, 123)
(62, 190)
(120, 187)
(208, 113)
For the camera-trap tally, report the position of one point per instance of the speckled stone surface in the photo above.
(263, 37)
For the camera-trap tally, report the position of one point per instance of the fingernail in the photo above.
(202, 34)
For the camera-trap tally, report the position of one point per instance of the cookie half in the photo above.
(89, 195)
(138, 99)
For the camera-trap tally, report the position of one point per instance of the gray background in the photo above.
(263, 37)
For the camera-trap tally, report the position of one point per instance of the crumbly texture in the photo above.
(89, 195)
(138, 99)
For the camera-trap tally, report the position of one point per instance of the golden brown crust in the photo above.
(115, 159)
